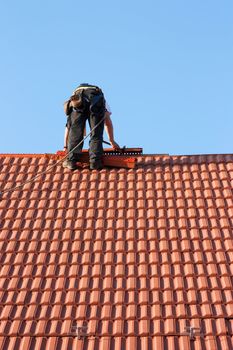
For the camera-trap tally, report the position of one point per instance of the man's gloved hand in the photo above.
(114, 144)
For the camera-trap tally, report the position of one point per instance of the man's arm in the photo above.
(110, 131)
(66, 138)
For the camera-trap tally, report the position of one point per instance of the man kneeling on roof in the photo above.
(87, 103)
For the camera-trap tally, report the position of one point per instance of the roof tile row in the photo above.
(115, 327)
(115, 311)
(117, 343)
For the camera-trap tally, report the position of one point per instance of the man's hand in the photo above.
(114, 144)
(109, 130)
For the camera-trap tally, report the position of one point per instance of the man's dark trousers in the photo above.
(92, 109)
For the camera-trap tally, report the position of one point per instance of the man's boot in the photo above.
(98, 165)
(69, 164)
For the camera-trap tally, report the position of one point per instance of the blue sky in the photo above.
(166, 68)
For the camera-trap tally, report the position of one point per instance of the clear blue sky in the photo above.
(166, 68)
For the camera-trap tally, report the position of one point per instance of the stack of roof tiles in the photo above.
(117, 259)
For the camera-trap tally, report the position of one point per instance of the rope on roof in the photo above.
(12, 189)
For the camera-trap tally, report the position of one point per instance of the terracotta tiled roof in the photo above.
(134, 256)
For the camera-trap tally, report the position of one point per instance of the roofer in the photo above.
(87, 103)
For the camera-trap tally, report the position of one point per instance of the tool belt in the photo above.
(67, 107)
(87, 87)
(75, 101)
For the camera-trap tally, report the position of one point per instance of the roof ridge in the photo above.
(107, 150)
